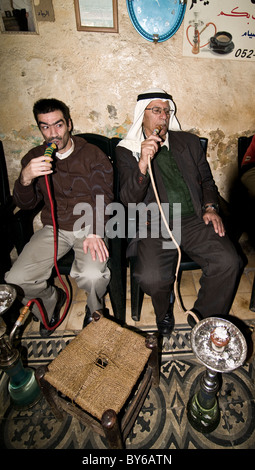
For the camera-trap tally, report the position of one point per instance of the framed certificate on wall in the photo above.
(96, 15)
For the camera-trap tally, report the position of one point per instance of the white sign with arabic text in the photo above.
(220, 29)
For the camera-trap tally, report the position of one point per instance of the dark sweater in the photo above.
(79, 178)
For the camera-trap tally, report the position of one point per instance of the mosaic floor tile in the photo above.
(162, 422)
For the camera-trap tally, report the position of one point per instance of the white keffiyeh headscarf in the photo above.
(135, 134)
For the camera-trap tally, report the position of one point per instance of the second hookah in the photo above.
(221, 347)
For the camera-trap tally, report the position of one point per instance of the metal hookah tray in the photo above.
(7, 297)
(231, 357)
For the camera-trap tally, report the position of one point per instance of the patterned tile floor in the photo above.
(162, 423)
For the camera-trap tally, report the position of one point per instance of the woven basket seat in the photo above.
(99, 368)
(102, 378)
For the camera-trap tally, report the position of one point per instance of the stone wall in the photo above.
(99, 76)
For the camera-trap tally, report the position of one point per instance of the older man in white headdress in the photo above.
(182, 175)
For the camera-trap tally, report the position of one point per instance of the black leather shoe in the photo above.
(88, 317)
(166, 326)
(56, 314)
(193, 318)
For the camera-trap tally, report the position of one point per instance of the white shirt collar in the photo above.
(166, 141)
(66, 154)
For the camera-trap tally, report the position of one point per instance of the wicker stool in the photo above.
(102, 378)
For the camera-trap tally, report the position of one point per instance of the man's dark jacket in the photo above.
(188, 153)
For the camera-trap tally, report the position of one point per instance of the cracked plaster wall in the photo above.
(99, 76)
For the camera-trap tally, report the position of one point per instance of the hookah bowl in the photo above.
(221, 347)
(22, 386)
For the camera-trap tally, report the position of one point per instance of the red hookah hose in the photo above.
(55, 264)
(199, 33)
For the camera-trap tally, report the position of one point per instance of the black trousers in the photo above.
(220, 263)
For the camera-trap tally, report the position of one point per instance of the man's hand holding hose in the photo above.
(39, 166)
(149, 148)
(36, 167)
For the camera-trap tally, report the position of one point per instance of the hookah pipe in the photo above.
(196, 42)
(48, 152)
(23, 387)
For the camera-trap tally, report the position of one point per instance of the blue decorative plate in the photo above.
(156, 20)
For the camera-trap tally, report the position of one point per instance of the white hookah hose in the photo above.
(156, 131)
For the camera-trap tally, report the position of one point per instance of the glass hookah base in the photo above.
(201, 419)
(26, 394)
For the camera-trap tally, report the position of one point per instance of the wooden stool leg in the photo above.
(111, 428)
(151, 342)
(48, 391)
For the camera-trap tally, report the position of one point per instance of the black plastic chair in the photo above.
(245, 205)
(5, 195)
(11, 231)
(239, 199)
(187, 264)
(6, 216)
